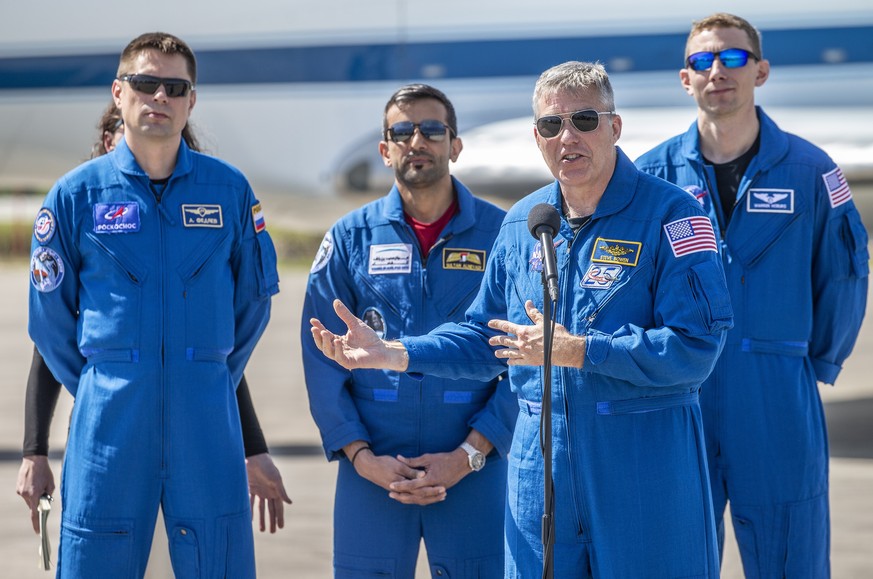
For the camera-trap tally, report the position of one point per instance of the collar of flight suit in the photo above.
(462, 221)
(125, 161)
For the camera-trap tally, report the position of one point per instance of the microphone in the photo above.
(543, 221)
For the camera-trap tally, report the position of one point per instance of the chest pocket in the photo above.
(112, 301)
(454, 292)
(208, 292)
(522, 283)
(761, 231)
(387, 294)
(595, 303)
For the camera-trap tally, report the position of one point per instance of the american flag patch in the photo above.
(691, 235)
(838, 188)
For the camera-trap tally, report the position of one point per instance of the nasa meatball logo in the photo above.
(696, 192)
(536, 258)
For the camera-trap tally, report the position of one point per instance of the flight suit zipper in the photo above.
(423, 317)
(165, 386)
(127, 270)
(564, 379)
(715, 200)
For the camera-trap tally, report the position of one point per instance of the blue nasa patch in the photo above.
(46, 269)
(536, 256)
(44, 226)
(116, 217)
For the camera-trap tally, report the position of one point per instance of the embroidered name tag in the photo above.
(202, 216)
(467, 259)
(116, 217)
(600, 276)
(616, 251)
(770, 201)
(390, 258)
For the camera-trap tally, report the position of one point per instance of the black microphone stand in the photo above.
(548, 529)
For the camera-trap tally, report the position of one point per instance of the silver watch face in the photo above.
(477, 461)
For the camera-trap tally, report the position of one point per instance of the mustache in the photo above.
(412, 158)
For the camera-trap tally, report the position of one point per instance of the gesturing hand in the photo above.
(524, 345)
(360, 347)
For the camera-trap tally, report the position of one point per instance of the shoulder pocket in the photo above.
(259, 278)
(710, 294)
(268, 273)
(855, 239)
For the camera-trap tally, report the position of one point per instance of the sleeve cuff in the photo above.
(825, 371)
(597, 346)
(495, 431)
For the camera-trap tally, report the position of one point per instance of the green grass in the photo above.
(15, 239)
(295, 248)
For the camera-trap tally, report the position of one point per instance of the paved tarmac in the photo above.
(303, 549)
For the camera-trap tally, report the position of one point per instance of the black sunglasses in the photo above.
(585, 121)
(729, 57)
(147, 84)
(431, 130)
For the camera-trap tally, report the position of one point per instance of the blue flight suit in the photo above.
(796, 262)
(370, 259)
(629, 465)
(147, 310)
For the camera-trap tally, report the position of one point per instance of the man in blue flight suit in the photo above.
(641, 319)
(795, 257)
(405, 264)
(152, 274)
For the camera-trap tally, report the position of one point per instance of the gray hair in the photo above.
(576, 78)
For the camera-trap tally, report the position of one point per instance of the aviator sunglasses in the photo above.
(147, 84)
(585, 121)
(431, 130)
(729, 57)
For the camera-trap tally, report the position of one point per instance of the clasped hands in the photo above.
(422, 480)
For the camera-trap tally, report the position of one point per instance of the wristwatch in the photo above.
(475, 459)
